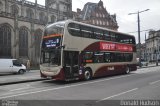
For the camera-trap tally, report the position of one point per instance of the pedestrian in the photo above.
(28, 65)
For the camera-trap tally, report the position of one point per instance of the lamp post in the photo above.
(145, 52)
(139, 39)
(155, 49)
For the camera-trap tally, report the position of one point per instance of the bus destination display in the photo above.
(49, 43)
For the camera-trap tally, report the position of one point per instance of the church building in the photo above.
(22, 23)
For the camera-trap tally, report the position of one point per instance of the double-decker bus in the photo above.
(72, 50)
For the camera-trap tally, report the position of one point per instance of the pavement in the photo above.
(33, 75)
(149, 65)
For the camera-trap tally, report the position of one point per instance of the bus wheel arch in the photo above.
(87, 73)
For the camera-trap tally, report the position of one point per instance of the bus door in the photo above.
(71, 64)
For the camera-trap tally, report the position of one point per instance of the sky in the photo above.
(128, 23)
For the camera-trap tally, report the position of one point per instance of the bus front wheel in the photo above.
(87, 74)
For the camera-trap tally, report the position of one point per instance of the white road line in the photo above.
(154, 82)
(27, 87)
(52, 89)
(117, 95)
(27, 77)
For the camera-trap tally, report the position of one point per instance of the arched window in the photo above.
(14, 10)
(97, 15)
(1, 7)
(53, 18)
(93, 22)
(100, 22)
(103, 16)
(103, 22)
(23, 42)
(45, 19)
(42, 16)
(107, 23)
(30, 13)
(97, 22)
(100, 15)
(5, 41)
(37, 37)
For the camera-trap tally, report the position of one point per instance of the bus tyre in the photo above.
(127, 70)
(87, 74)
(21, 71)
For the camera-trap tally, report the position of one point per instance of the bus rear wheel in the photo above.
(87, 74)
(127, 70)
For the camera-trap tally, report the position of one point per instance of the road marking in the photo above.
(27, 77)
(154, 82)
(117, 95)
(67, 86)
(28, 86)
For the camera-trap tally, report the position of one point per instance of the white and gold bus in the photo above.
(72, 50)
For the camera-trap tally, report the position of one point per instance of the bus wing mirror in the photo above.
(63, 46)
(59, 47)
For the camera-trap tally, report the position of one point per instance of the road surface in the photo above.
(143, 84)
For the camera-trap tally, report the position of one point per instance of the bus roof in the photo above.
(66, 22)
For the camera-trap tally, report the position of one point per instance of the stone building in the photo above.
(152, 51)
(96, 14)
(22, 23)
